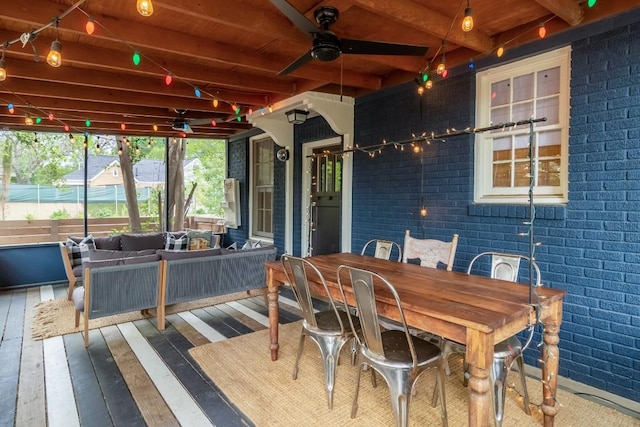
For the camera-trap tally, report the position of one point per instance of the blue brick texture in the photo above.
(590, 246)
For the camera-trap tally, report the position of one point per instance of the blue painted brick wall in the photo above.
(590, 247)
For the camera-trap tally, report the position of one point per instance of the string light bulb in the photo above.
(591, 3)
(168, 79)
(500, 51)
(3, 70)
(90, 27)
(215, 102)
(429, 84)
(123, 126)
(420, 90)
(155, 128)
(66, 129)
(145, 7)
(28, 120)
(54, 58)
(467, 22)
(214, 123)
(542, 31)
(136, 58)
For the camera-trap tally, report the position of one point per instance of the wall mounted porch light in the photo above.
(297, 117)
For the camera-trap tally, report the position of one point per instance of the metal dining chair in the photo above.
(326, 328)
(399, 357)
(430, 252)
(382, 249)
(505, 353)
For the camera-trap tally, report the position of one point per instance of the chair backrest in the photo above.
(299, 271)
(430, 251)
(506, 266)
(383, 248)
(364, 284)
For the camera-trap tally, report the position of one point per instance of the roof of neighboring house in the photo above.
(146, 170)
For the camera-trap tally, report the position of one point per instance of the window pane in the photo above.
(523, 88)
(549, 173)
(499, 115)
(500, 93)
(522, 174)
(502, 148)
(502, 175)
(549, 82)
(549, 108)
(522, 111)
(522, 147)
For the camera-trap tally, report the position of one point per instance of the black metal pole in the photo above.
(86, 185)
(166, 184)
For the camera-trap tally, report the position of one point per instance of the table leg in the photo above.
(274, 314)
(479, 356)
(550, 360)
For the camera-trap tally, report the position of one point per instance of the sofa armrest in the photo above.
(68, 269)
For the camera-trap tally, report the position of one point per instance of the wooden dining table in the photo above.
(473, 310)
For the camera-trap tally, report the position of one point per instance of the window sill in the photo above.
(517, 211)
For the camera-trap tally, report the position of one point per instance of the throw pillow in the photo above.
(109, 242)
(79, 251)
(175, 243)
(251, 244)
(199, 239)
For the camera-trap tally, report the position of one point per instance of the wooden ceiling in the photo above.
(233, 51)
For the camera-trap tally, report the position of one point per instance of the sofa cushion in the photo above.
(78, 249)
(121, 261)
(175, 255)
(174, 243)
(104, 254)
(138, 242)
(109, 242)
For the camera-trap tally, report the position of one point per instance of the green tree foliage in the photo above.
(210, 178)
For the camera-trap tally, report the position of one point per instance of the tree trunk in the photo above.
(176, 184)
(126, 166)
(7, 165)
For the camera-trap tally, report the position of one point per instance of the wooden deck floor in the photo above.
(131, 374)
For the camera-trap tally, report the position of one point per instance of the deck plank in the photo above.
(10, 350)
(178, 399)
(249, 311)
(173, 348)
(241, 317)
(61, 403)
(120, 404)
(151, 405)
(211, 334)
(30, 407)
(91, 404)
(188, 331)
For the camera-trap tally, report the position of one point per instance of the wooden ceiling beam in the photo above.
(174, 44)
(428, 21)
(567, 10)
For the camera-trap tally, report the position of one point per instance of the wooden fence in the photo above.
(45, 230)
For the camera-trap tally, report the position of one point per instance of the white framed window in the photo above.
(535, 87)
(261, 177)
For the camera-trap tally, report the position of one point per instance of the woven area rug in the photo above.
(265, 391)
(57, 317)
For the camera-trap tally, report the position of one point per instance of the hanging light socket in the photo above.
(54, 58)
(467, 22)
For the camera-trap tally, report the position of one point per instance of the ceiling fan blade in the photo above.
(297, 18)
(303, 59)
(364, 47)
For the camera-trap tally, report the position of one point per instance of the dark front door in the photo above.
(326, 200)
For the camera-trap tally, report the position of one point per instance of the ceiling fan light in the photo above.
(3, 71)
(296, 117)
(145, 7)
(54, 58)
(467, 22)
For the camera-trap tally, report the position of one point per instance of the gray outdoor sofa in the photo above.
(167, 277)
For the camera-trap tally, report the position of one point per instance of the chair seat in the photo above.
(509, 347)
(397, 350)
(327, 321)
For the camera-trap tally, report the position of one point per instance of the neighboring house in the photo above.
(588, 197)
(148, 173)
